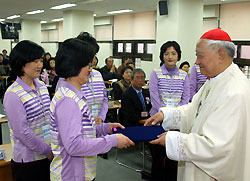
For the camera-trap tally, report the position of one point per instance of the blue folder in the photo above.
(141, 133)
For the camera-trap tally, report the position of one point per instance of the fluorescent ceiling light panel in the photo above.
(90, 1)
(42, 22)
(35, 12)
(94, 14)
(63, 6)
(13, 17)
(2, 20)
(56, 20)
(120, 11)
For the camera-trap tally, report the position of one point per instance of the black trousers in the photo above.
(31, 171)
(163, 169)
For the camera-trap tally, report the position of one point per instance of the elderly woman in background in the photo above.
(185, 66)
(122, 85)
(169, 87)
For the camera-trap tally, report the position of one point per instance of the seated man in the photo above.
(109, 71)
(135, 102)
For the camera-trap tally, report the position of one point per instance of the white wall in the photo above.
(106, 50)
(4, 44)
(31, 30)
(77, 21)
(51, 48)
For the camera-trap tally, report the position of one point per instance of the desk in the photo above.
(109, 89)
(5, 169)
(5, 79)
(8, 154)
(113, 112)
(116, 105)
(2, 120)
(142, 121)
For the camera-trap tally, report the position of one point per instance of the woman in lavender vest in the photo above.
(196, 80)
(75, 137)
(95, 90)
(169, 86)
(26, 103)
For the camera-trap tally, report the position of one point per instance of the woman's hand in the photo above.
(98, 120)
(115, 125)
(123, 141)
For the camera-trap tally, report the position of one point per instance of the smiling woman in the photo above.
(169, 87)
(73, 129)
(29, 123)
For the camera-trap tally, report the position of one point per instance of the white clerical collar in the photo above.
(219, 75)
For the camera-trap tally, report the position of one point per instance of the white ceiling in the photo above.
(99, 7)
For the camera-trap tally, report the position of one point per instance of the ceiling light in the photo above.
(63, 6)
(120, 11)
(94, 14)
(56, 20)
(35, 12)
(90, 1)
(42, 22)
(13, 17)
(2, 20)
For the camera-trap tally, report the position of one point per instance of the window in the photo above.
(242, 55)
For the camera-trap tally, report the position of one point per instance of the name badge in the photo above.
(170, 102)
(46, 132)
(144, 114)
(94, 110)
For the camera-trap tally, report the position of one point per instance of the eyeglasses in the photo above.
(90, 65)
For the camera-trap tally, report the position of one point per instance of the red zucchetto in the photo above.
(216, 34)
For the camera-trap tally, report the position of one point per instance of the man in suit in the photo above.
(135, 102)
(109, 71)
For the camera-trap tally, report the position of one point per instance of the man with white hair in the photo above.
(214, 138)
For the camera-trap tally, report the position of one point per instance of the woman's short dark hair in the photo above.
(96, 60)
(184, 63)
(47, 53)
(126, 68)
(168, 44)
(129, 63)
(85, 36)
(24, 52)
(52, 58)
(72, 55)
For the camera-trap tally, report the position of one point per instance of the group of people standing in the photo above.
(68, 132)
(58, 139)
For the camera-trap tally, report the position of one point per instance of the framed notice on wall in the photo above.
(120, 48)
(128, 47)
(140, 48)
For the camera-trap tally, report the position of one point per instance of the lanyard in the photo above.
(171, 84)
